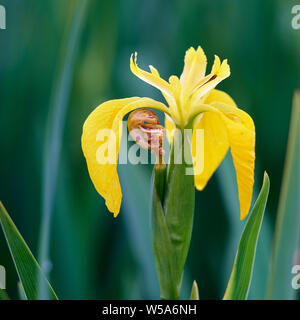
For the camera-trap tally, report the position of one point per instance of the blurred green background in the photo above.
(93, 255)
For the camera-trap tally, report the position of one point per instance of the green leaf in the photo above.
(239, 282)
(229, 192)
(21, 291)
(27, 267)
(286, 240)
(195, 291)
(162, 247)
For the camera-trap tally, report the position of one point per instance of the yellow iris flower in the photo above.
(193, 102)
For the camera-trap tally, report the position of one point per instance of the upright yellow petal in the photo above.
(220, 71)
(194, 70)
(241, 135)
(215, 147)
(153, 79)
(176, 85)
(102, 132)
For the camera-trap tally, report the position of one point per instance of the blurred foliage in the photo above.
(94, 255)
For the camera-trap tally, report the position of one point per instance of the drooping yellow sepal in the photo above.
(216, 141)
(224, 125)
(209, 153)
(104, 175)
(241, 136)
(102, 132)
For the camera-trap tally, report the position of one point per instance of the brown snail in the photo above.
(146, 130)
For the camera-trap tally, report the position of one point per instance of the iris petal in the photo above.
(220, 71)
(241, 136)
(219, 96)
(216, 145)
(102, 132)
(170, 127)
(153, 79)
(194, 70)
(104, 176)
(216, 141)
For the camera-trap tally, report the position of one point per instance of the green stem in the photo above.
(172, 221)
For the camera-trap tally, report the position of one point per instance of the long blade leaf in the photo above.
(288, 217)
(55, 128)
(27, 267)
(229, 193)
(54, 134)
(239, 282)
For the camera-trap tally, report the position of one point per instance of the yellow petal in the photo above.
(216, 142)
(219, 72)
(176, 86)
(193, 71)
(241, 135)
(104, 176)
(153, 79)
(219, 96)
(215, 147)
(102, 132)
(170, 128)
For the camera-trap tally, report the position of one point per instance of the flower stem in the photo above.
(172, 221)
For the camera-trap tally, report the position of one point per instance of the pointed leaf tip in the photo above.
(195, 291)
(27, 268)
